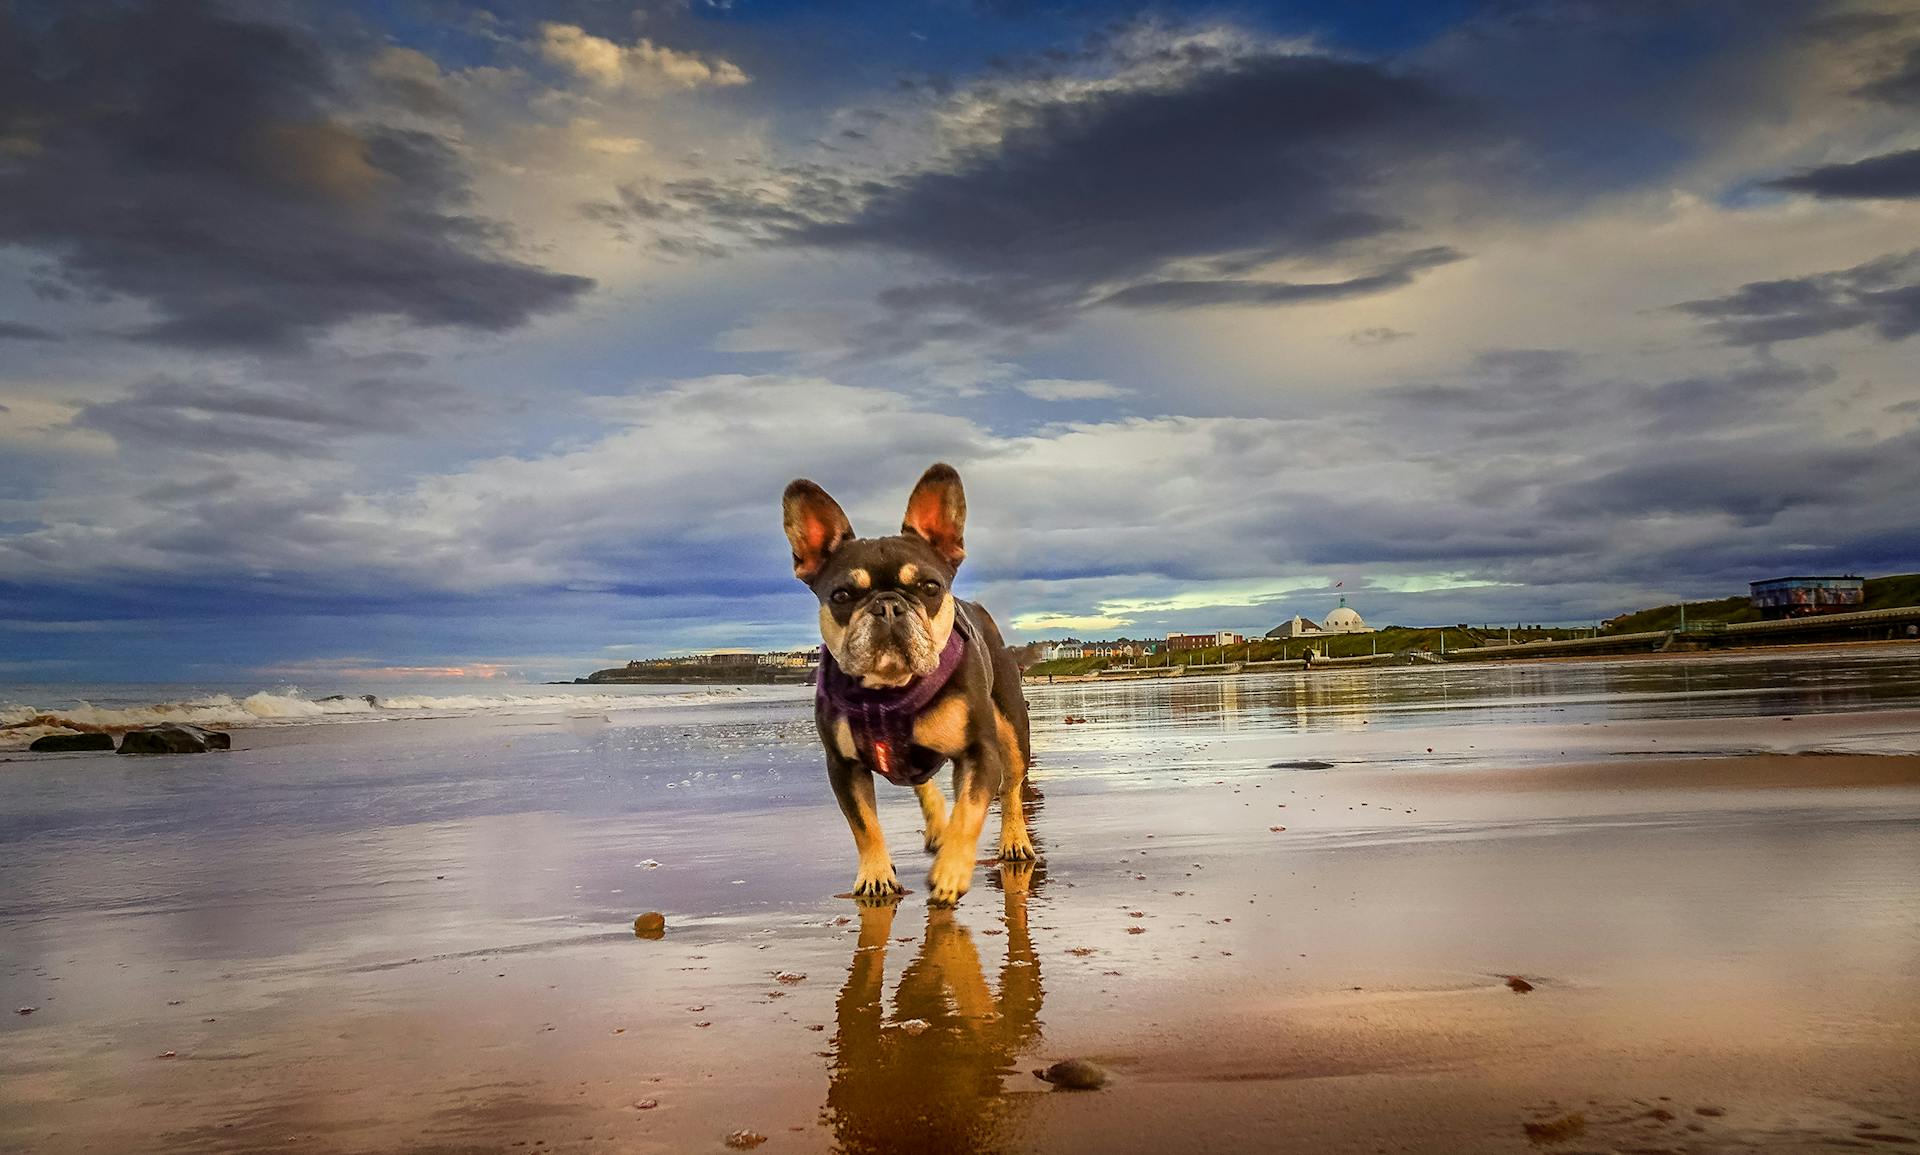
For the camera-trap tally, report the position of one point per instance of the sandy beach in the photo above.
(1284, 914)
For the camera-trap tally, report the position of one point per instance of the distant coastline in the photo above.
(695, 673)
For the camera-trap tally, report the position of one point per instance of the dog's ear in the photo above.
(937, 511)
(816, 526)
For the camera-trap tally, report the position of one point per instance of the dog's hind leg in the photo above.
(933, 808)
(1015, 843)
(853, 789)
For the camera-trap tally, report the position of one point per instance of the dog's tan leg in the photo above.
(1015, 844)
(976, 778)
(950, 951)
(853, 789)
(933, 808)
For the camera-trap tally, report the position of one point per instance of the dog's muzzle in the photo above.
(891, 626)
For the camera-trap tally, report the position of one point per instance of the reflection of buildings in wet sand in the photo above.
(1337, 701)
(896, 1085)
(1196, 700)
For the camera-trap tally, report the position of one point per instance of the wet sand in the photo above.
(416, 938)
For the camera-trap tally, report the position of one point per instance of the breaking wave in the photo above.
(21, 723)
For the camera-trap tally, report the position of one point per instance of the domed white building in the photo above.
(1344, 620)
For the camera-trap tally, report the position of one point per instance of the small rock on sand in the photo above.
(911, 1026)
(1518, 985)
(790, 977)
(1556, 1130)
(646, 1104)
(745, 1140)
(1710, 1112)
(652, 924)
(1073, 1075)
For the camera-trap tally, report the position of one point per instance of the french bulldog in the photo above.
(910, 678)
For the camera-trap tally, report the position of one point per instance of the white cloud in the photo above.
(642, 64)
(42, 423)
(1067, 389)
(1046, 622)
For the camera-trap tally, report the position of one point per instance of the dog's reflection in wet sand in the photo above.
(898, 1088)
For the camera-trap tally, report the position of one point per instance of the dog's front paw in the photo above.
(932, 842)
(1015, 846)
(880, 882)
(950, 877)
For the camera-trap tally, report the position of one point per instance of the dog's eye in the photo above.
(930, 587)
(841, 597)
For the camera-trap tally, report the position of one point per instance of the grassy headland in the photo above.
(1881, 593)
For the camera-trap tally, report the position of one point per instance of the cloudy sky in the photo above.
(341, 341)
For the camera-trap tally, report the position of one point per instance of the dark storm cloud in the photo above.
(1901, 85)
(205, 164)
(1165, 189)
(1891, 175)
(15, 331)
(1881, 295)
(1527, 400)
(221, 418)
(1193, 294)
(1279, 153)
(1752, 482)
(1173, 166)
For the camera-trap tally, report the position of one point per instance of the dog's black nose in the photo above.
(888, 607)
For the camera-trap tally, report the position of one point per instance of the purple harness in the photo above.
(881, 718)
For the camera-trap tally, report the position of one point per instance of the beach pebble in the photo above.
(1073, 1074)
(26, 1010)
(1710, 1112)
(1518, 985)
(745, 1140)
(911, 1026)
(652, 924)
(646, 1104)
(790, 977)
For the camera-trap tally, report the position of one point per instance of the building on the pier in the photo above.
(1796, 597)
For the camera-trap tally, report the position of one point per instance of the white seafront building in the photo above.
(1343, 620)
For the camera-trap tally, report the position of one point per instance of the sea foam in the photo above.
(21, 723)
